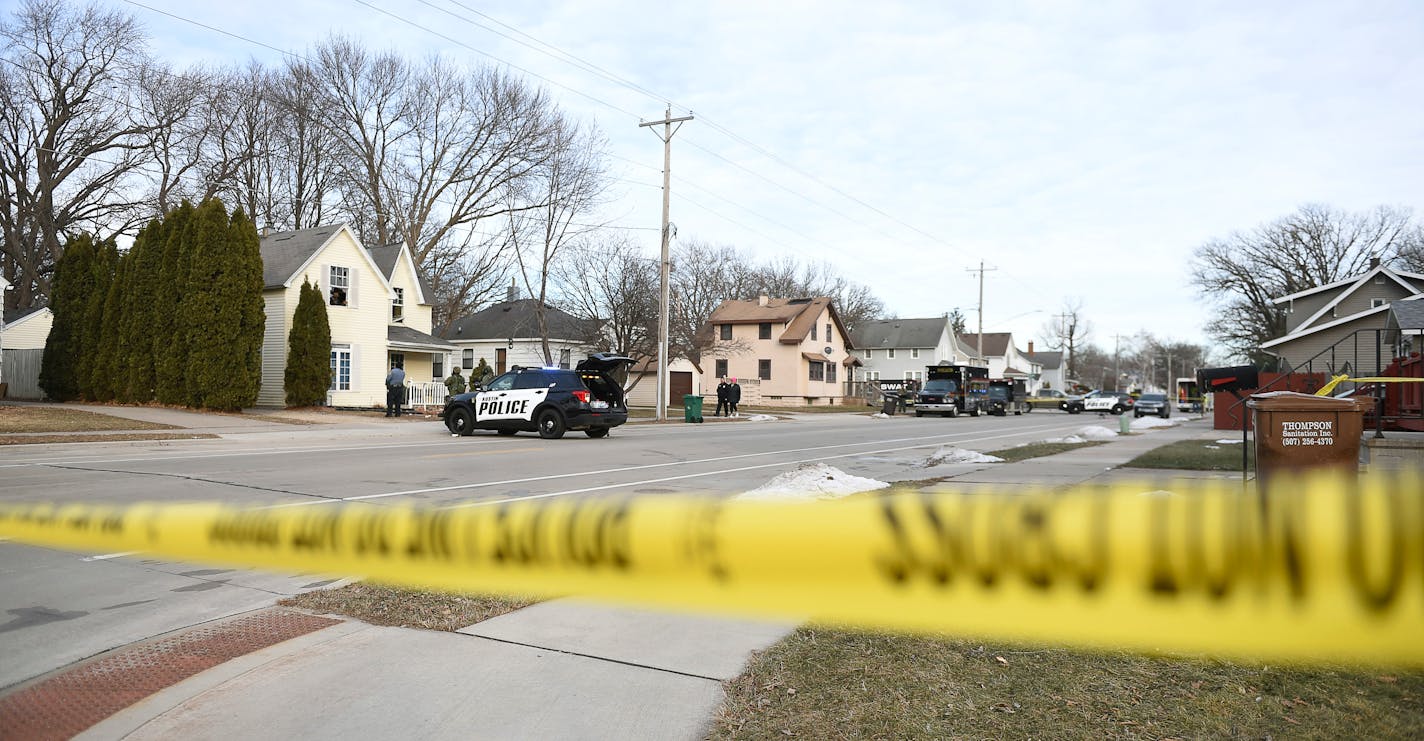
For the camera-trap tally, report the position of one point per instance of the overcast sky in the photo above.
(1080, 149)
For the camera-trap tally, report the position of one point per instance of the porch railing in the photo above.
(426, 394)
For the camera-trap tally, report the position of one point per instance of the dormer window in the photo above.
(339, 280)
(398, 306)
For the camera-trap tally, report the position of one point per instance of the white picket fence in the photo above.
(426, 394)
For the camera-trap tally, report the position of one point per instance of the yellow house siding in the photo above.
(28, 333)
(273, 392)
(415, 316)
(361, 323)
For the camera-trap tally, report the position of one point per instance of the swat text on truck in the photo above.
(953, 390)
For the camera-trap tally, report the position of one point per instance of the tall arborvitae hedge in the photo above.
(108, 376)
(169, 340)
(308, 374)
(102, 268)
(69, 297)
(140, 298)
(221, 310)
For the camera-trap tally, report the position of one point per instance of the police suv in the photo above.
(549, 401)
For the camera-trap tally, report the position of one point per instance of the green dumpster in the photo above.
(691, 408)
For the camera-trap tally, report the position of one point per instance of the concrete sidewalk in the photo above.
(559, 669)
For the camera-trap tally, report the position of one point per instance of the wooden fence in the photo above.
(21, 373)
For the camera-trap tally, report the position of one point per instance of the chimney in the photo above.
(512, 293)
(266, 230)
(1374, 262)
(1030, 347)
(763, 300)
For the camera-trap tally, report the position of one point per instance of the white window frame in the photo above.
(565, 357)
(398, 305)
(914, 352)
(911, 375)
(337, 354)
(1375, 303)
(467, 358)
(889, 353)
(338, 277)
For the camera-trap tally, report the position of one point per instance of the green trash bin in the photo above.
(691, 408)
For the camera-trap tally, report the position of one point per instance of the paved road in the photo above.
(58, 607)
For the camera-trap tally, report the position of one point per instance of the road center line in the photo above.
(482, 484)
(485, 503)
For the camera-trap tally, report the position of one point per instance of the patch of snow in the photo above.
(1096, 432)
(1212, 447)
(1227, 442)
(951, 454)
(1085, 434)
(761, 418)
(811, 482)
(880, 415)
(1150, 423)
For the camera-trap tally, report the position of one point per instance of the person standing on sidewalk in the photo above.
(734, 397)
(723, 400)
(395, 388)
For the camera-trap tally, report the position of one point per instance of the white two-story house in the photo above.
(901, 348)
(377, 304)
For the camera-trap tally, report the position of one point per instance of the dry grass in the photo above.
(406, 608)
(1195, 455)
(831, 684)
(61, 419)
(1038, 450)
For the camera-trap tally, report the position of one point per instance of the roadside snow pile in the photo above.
(1086, 434)
(810, 482)
(948, 454)
(761, 418)
(880, 415)
(1227, 442)
(1151, 423)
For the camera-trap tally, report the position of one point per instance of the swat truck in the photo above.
(1008, 395)
(952, 390)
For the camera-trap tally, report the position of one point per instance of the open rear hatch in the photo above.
(600, 373)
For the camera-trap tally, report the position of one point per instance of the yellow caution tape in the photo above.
(1329, 570)
(1337, 380)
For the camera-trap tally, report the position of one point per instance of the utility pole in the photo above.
(665, 263)
(1065, 338)
(980, 270)
(1117, 368)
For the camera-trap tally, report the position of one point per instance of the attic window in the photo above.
(398, 306)
(813, 332)
(1375, 303)
(340, 282)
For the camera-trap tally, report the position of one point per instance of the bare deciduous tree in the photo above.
(71, 141)
(1317, 245)
(613, 283)
(1068, 331)
(568, 187)
(428, 153)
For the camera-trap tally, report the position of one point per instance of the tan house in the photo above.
(795, 350)
(378, 307)
(1333, 326)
